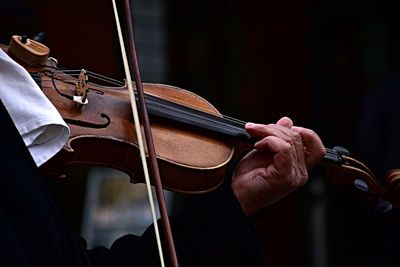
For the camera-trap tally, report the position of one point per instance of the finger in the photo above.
(292, 138)
(285, 122)
(287, 154)
(272, 144)
(313, 146)
(261, 130)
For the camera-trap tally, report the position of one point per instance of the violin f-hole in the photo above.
(90, 124)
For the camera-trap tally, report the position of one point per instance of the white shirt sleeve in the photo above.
(37, 120)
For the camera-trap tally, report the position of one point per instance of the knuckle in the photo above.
(308, 132)
(296, 137)
(299, 176)
(300, 180)
(304, 178)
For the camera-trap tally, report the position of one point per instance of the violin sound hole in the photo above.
(90, 124)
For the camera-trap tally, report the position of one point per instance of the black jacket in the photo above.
(210, 231)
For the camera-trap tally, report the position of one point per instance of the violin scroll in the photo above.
(343, 169)
(28, 51)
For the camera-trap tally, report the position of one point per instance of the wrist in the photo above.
(243, 200)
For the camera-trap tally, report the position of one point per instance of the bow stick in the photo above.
(149, 139)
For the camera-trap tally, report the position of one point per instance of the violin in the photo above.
(195, 143)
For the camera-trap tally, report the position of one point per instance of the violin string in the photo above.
(206, 114)
(105, 78)
(119, 83)
(232, 119)
(227, 118)
(98, 77)
(76, 72)
(64, 80)
(205, 117)
(70, 80)
(116, 82)
(91, 74)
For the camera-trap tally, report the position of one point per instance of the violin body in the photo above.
(102, 133)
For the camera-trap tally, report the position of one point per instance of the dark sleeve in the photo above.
(210, 231)
(33, 230)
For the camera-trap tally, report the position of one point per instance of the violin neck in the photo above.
(227, 127)
(196, 118)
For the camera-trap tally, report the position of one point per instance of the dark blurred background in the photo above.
(329, 65)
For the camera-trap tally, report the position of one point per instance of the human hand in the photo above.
(277, 165)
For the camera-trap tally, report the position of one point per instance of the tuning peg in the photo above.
(24, 38)
(383, 207)
(341, 150)
(39, 37)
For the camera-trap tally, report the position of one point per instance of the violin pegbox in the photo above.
(343, 169)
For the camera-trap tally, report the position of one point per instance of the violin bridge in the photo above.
(81, 87)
